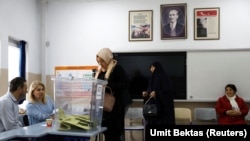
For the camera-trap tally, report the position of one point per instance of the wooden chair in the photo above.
(183, 116)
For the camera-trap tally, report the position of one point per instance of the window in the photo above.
(13, 59)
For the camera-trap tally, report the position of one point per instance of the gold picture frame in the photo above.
(207, 23)
(141, 25)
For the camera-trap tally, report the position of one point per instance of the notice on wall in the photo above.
(75, 71)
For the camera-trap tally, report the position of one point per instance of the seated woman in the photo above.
(40, 106)
(231, 108)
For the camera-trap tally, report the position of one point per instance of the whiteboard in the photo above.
(208, 72)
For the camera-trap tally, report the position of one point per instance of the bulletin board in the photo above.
(75, 71)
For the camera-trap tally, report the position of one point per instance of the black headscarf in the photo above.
(159, 76)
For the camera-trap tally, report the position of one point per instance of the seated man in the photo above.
(9, 116)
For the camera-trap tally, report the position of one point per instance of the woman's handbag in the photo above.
(150, 108)
(109, 101)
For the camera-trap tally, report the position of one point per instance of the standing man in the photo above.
(9, 115)
(174, 28)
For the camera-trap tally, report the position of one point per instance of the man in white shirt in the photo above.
(9, 115)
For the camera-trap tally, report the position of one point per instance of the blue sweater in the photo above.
(39, 112)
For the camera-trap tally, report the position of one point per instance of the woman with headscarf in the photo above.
(160, 88)
(231, 108)
(110, 70)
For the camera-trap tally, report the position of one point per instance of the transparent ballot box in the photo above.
(79, 103)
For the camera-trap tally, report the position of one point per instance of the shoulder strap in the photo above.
(111, 92)
(150, 99)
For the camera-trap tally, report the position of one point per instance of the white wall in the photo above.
(21, 19)
(208, 72)
(77, 29)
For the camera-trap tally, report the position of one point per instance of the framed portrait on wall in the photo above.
(141, 25)
(173, 21)
(206, 23)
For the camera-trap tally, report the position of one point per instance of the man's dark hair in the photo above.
(16, 83)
